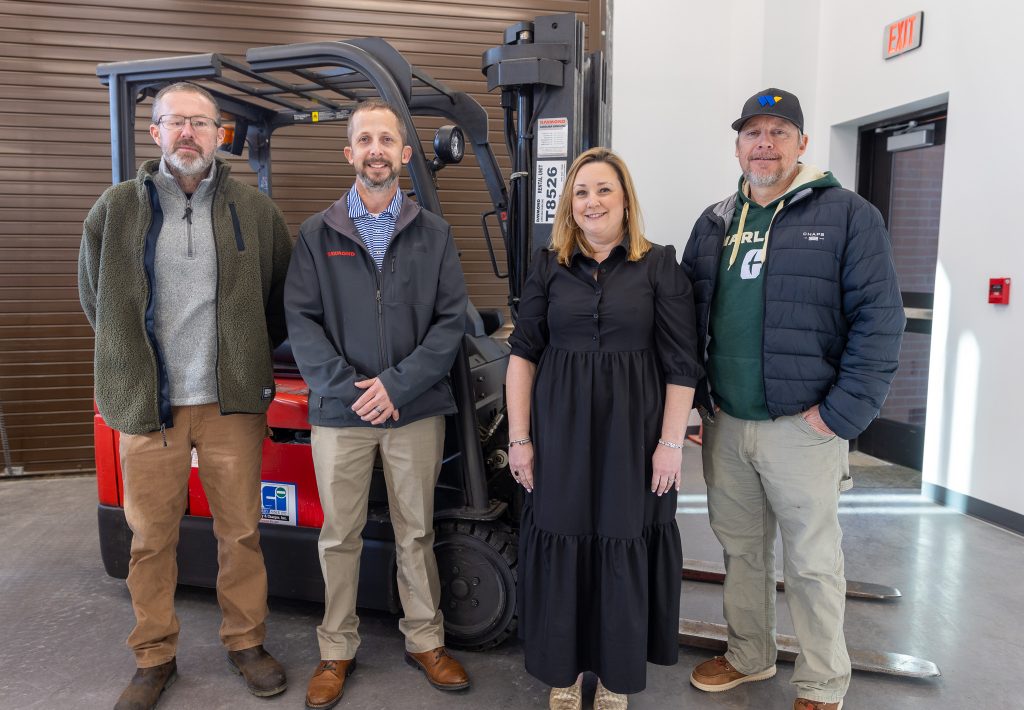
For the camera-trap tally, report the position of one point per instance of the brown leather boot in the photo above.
(328, 683)
(264, 676)
(442, 671)
(718, 674)
(805, 704)
(146, 686)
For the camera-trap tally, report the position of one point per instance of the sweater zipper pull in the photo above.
(163, 434)
(188, 218)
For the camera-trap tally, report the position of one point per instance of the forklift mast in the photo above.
(553, 95)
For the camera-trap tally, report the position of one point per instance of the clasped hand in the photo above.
(374, 405)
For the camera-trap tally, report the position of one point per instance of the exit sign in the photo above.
(902, 35)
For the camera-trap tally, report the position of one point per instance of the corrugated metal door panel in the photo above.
(55, 161)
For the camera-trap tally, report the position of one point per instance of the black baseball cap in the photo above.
(772, 102)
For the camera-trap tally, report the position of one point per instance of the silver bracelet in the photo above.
(669, 444)
(520, 442)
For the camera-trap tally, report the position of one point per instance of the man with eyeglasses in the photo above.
(181, 274)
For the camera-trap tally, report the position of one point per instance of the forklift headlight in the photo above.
(449, 144)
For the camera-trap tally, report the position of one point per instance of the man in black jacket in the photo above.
(801, 319)
(376, 302)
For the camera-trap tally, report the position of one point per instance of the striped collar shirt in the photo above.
(375, 230)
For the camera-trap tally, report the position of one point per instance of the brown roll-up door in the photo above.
(55, 161)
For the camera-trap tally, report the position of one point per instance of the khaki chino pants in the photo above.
(343, 458)
(155, 495)
(781, 474)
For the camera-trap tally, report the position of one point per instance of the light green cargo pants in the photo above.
(763, 475)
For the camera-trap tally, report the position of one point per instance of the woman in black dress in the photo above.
(600, 385)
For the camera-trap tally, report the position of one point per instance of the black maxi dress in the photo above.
(600, 555)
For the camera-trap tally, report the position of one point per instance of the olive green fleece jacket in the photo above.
(115, 277)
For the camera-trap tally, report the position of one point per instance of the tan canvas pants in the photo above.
(343, 458)
(155, 495)
(781, 474)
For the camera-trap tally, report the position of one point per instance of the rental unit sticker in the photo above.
(549, 179)
(278, 503)
(552, 137)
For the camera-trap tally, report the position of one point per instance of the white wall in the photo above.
(681, 72)
(672, 72)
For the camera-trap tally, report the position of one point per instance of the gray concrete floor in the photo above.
(63, 621)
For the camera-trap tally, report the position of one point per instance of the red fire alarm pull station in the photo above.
(999, 291)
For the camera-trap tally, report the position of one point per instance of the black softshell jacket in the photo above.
(349, 321)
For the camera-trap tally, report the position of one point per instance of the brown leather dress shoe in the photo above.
(328, 683)
(264, 676)
(146, 686)
(442, 671)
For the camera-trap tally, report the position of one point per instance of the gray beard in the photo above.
(188, 168)
(768, 180)
(378, 186)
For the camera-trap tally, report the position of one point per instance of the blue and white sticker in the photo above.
(278, 503)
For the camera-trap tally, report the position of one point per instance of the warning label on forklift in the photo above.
(321, 116)
(549, 180)
(278, 503)
(552, 137)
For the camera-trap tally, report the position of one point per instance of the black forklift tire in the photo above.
(476, 563)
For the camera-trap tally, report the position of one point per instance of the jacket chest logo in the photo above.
(341, 253)
(752, 264)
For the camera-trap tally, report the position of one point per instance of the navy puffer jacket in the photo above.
(833, 315)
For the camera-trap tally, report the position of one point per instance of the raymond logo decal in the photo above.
(341, 253)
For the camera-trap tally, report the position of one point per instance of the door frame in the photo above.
(894, 441)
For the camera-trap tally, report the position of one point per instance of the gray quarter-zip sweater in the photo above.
(186, 290)
(116, 277)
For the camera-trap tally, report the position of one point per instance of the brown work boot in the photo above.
(146, 686)
(328, 683)
(264, 676)
(605, 699)
(717, 675)
(805, 704)
(442, 671)
(570, 698)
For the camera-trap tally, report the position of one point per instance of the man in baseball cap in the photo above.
(797, 298)
(772, 102)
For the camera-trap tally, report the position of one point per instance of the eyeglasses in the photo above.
(200, 124)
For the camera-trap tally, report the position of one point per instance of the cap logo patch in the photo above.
(767, 101)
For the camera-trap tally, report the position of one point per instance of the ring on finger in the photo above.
(378, 410)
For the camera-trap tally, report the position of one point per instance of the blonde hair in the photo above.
(566, 235)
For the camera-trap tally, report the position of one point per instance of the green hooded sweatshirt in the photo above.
(735, 355)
